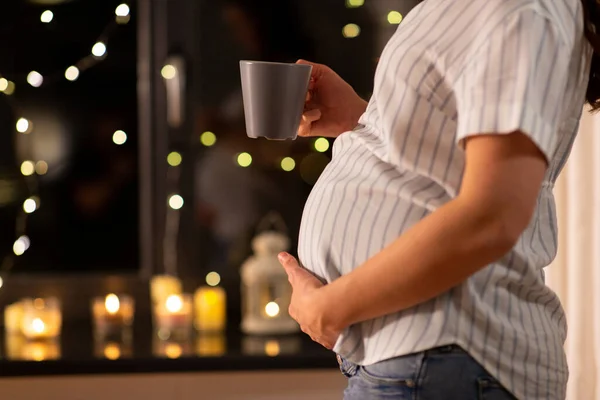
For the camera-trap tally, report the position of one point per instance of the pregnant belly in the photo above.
(354, 211)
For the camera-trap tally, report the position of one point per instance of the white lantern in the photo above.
(266, 292)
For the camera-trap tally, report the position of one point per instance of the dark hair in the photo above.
(279, 29)
(591, 15)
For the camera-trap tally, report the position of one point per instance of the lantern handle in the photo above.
(272, 220)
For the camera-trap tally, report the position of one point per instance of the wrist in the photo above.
(332, 308)
(355, 113)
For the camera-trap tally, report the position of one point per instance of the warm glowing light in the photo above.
(1, 282)
(272, 309)
(208, 139)
(39, 304)
(213, 279)
(321, 145)
(41, 167)
(47, 16)
(174, 159)
(354, 3)
(27, 168)
(394, 17)
(35, 79)
(119, 137)
(38, 325)
(3, 84)
(175, 202)
(173, 350)
(112, 303)
(168, 71)
(244, 159)
(30, 205)
(112, 351)
(23, 125)
(174, 303)
(99, 49)
(21, 245)
(10, 88)
(288, 164)
(272, 348)
(351, 31)
(72, 73)
(122, 10)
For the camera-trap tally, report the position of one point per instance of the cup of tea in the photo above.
(274, 95)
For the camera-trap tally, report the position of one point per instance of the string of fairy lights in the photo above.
(98, 52)
(29, 168)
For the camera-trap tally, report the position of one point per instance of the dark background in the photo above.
(89, 219)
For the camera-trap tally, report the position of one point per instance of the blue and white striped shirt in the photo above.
(453, 69)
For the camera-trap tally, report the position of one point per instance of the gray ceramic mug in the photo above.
(274, 96)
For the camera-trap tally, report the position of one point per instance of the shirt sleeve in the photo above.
(516, 82)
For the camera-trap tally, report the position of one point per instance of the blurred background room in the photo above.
(135, 211)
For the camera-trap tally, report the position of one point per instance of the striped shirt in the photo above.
(453, 69)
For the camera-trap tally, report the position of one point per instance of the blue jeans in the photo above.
(444, 373)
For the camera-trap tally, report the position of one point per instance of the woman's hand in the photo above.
(332, 106)
(307, 306)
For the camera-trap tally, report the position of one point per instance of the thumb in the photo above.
(304, 62)
(290, 264)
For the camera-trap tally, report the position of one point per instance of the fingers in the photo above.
(312, 115)
(308, 118)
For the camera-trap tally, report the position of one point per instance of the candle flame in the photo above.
(174, 303)
(272, 309)
(38, 325)
(112, 303)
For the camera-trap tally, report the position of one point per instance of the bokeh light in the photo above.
(119, 137)
(208, 138)
(47, 16)
(122, 10)
(168, 72)
(35, 79)
(99, 49)
(394, 17)
(213, 278)
(288, 164)
(321, 145)
(354, 3)
(23, 125)
(72, 73)
(244, 159)
(175, 201)
(351, 31)
(174, 159)
(27, 168)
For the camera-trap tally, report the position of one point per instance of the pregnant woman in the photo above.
(434, 221)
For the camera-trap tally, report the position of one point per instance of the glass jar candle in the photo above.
(42, 318)
(112, 315)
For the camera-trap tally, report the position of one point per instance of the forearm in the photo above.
(436, 254)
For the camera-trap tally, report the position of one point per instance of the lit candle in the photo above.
(162, 286)
(42, 318)
(173, 317)
(210, 306)
(13, 315)
(112, 314)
